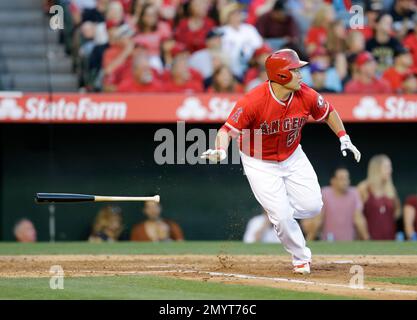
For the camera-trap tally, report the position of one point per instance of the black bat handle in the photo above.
(62, 197)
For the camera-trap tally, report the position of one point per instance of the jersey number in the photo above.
(292, 137)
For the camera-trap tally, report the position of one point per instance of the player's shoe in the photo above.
(303, 268)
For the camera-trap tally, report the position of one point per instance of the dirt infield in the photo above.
(330, 274)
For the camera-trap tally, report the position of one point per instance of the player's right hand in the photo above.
(214, 155)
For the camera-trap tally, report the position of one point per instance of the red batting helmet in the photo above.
(279, 64)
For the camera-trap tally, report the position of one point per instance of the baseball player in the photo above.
(280, 174)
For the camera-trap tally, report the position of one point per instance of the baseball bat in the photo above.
(73, 197)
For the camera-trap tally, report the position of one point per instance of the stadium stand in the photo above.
(103, 40)
(31, 58)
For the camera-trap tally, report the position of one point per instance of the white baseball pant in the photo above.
(287, 190)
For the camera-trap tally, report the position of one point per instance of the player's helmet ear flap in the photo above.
(285, 75)
(279, 64)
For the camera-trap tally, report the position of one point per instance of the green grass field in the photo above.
(151, 287)
(207, 247)
(412, 281)
(145, 287)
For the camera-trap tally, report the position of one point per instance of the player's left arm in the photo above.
(320, 110)
(336, 124)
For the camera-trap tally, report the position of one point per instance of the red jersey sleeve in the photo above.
(241, 116)
(319, 107)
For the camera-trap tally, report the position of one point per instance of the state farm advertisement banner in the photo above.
(93, 108)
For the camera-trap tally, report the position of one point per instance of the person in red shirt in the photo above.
(116, 60)
(382, 205)
(364, 78)
(257, 8)
(410, 217)
(142, 79)
(150, 30)
(396, 74)
(182, 78)
(192, 31)
(258, 62)
(268, 121)
(317, 35)
(410, 42)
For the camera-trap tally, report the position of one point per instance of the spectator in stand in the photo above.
(166, 51)
(409, 85)
(321, 57)
(262, 77)
(24, 231)
(93, 19)
(303, 12)
(192, 31)
(142, 78)
(117, 60)
(95, 14)
(410, 217)
(260, 229)
(317, 34)
(336, 38)
(373, 9)
(207, 60)
(86, 47)
(77, 7)
(115, 16)
(224, 82)
(382, 206)
(382, 45)
(135, 11)
(182, 78)
(257, 67)
(116, 23)
(257, 8)
(126, 4)
(355, 44)
(239, 40)
(341, 8)
(167, 10)
(336, 46)
(107, 225)
(396, 74)
(120, 47)
(410, 42)
(155, 228)
(364, 77)
(277, 24)
(402, 14)
(151, 31)
(341, 213)
(318, 77)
